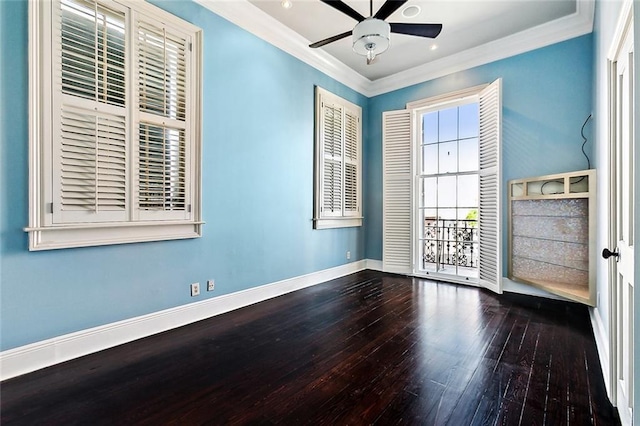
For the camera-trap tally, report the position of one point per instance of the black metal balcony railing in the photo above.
(450, 242)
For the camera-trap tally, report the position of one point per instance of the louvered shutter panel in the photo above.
(163, 156)
(332, 128)
(396, 189)
(162, 71)
(89, 111)
(92, 51)
(490, 184)
(351, 164)
(162, 169)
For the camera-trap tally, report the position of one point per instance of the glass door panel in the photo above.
(448, 201)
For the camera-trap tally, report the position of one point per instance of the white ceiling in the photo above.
(466, 24)
(474, 32)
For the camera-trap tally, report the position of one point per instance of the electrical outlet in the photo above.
(211, 285)
(348, 255)
(195, 289)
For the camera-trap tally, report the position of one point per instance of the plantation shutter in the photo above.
(89, 113)
(332, 173)
(115, 111)
(490, 272)
(164, 160)
(396, 192)
(338, 162)
(351, 164)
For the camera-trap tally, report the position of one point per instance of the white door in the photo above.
(622, 226)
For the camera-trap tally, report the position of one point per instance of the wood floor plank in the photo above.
(537, 397)
(368, 348)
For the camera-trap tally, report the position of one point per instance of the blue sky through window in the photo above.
(449, 147)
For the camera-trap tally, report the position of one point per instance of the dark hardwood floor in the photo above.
(369, 348)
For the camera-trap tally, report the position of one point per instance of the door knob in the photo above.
(606, 253)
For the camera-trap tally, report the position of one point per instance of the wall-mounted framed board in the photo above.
(552, 233)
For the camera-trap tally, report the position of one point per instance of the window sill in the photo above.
(334, 222)
(60, 237)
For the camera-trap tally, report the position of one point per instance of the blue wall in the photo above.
(546, 97)
(257, 176)
(257, 193)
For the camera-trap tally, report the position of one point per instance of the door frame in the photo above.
(623, 26)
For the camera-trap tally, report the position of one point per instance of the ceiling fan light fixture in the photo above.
(371, 37)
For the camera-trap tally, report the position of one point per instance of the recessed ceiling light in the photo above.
(286, 4)
(411, 11)
(434, 47)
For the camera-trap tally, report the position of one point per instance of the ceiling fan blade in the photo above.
(344, 8)
(388, 8)
(330, 39)
(420, 30)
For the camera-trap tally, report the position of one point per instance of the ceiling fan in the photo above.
(371, 36)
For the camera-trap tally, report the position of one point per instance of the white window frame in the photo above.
(46, 231)
(339, 217)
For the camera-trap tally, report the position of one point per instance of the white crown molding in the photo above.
(565, 28)
(259, 23)
(28, 358)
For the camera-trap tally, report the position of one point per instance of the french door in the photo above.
(410, 179)
(448, 183)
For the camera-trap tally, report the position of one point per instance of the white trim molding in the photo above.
(578, 23)
(259, 23)
(625, 20)
(254, 20)
(602, 345)
(438, 100)
(38, 355)
(374, 264)
(28, 358)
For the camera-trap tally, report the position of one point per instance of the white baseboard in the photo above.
(24, 359)
(28, 358)
(373, 264)
(602, 344)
